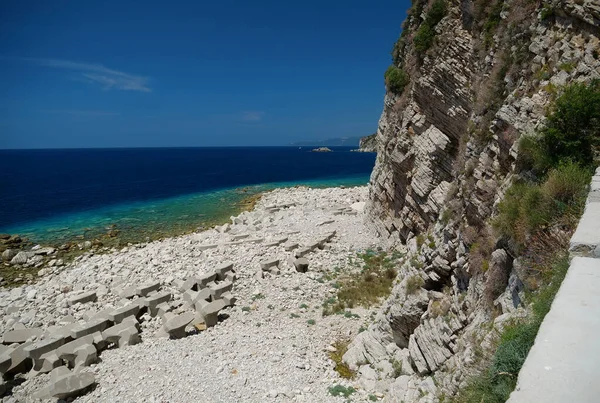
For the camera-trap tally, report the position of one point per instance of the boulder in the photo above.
(20, 258)
(8, 254)
(266, 265)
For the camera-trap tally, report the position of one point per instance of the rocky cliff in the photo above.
(470, 79)
(368, 144)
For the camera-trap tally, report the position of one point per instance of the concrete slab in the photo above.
(146, 289)
(219, 289)
(265, 265)
(206, 278)
(90, 327)
(118, 315)
(21, 336)
(562, 364)
(83, 298)
(587, 235)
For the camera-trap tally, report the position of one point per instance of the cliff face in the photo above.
(447, 146)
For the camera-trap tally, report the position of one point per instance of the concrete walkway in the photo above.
(564, 363)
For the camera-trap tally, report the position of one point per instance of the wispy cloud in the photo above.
(95, 74)
(75, 112)
(252, 116)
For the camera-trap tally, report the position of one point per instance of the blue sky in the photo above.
(191, 73)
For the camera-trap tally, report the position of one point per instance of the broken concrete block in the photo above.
(207, 246)
(46, 363)
(146, 289)
(128, 292)
(123, 334)
(176, 326)
(301, 265)
(118, 315)
(90, 327)
(59, 331)
(189, 295)
(189, 284)
(274, 271)
(71, 385)
(78, 352)
(290, 246)
(206, 278)
(218, 289)
(5, 362)
(162, 309)
(19, 360)
(210, 311)
(153, 301)
(222, 269)
(42, 347)
(228, 298)
(85, 356)
(21, 336)
(265, 265)
(204, 294)
(313, 245)
(325, 222)
(231, 276)
(302, 252)
(83, 298)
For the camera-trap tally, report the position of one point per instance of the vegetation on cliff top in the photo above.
(426, 32)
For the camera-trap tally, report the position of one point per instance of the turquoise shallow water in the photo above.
(146, 220)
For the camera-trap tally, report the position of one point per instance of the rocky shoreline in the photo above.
(272, 344)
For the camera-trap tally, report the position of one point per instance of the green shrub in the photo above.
(374, 282)
(530, 207)
(572, 130)
(396, 79)
(424, 38)
(339, 390)
(413, 284)
(546, 13)
(426, 33)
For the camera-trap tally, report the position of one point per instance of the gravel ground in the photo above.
(267, 349)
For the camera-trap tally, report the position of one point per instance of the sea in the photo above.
(54, 196)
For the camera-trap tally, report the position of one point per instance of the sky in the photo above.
(77, 74)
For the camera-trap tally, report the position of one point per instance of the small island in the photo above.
(322, 150)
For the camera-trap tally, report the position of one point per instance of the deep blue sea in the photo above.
(57, 195)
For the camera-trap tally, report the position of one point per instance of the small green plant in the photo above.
(340, 390)
(245, 309)
(414, 283)
(304, 306)
(294, 315)
(420, 240)
(373, 398)
(397, 367)
(258, 296)
(546, 13)
(567, 66)
(361, 329)
(350, 315)
(396, 79)
(311, 322)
